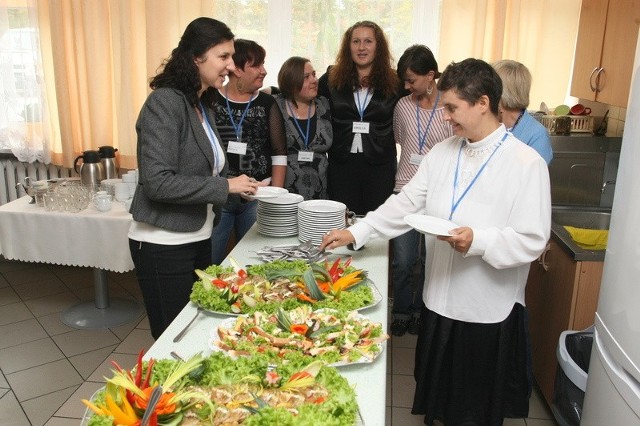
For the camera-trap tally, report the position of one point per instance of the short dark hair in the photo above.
(472, 79)
(247, 52)
(419, 59)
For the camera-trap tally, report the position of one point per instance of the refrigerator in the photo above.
(612, 395)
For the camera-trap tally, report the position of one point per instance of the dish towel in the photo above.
(589, 239)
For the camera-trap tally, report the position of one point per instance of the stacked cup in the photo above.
(130, 178)
(121, 191)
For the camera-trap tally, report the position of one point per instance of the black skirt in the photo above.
(472, 373)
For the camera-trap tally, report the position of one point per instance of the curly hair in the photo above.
(382, 78)
(179, 71)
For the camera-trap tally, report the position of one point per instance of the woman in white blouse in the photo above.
(472, 352)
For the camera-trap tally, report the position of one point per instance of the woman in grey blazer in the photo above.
(182, 168)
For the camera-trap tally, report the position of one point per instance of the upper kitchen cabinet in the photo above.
(605, 50)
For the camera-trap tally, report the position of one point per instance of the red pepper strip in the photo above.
(139, 369)
(242, 273)
(348, 262)
(117, 366)
(334, 269)
(219, 283)
(145, 384)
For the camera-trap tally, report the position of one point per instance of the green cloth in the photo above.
(589, 239)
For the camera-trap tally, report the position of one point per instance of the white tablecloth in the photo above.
(88, 238)
(369, 379)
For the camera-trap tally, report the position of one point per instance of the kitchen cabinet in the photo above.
(605, 50)
(561, 294)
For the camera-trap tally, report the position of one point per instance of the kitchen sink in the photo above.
(580, 218)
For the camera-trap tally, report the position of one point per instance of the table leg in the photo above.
(103, 312)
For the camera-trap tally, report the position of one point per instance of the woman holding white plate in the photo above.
(472, 352)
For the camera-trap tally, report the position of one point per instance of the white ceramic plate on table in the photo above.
(430, 224)
(265, 192)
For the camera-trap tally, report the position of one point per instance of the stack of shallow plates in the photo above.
(316, 217)
(276, 217)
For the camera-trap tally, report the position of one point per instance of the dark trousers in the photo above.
(166, 274)
(360, 185)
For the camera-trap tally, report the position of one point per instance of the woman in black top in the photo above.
(362, 89)
(253, 136)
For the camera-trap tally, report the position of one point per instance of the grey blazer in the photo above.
(175, 164)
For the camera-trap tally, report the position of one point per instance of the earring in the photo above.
(430, 90)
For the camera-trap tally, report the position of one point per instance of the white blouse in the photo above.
(508, 208)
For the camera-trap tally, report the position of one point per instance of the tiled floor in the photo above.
(46, 367)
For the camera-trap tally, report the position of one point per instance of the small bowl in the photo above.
(561, 110)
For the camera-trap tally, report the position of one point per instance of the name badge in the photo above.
(305, 156)
(360, 127)
(236, 147)
(416, 159)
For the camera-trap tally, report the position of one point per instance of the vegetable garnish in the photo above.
(334, 337)
(247, 391)
(286, 284)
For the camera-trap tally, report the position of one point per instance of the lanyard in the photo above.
(236, 128)
(361, 107)
(454, 203)
(423, 139)
(517, 121)
(305, 135)
(212, 139)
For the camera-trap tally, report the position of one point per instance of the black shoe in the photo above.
(399, 327)
(415, 325)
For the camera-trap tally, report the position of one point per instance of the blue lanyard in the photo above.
(305, 135)
(212, 139)
(236, 128)
(454, 203)
(363, 106)
(423, 139)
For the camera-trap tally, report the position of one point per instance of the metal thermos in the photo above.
(109, 163)
(91, 170)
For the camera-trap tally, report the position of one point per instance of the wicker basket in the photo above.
(579, 123)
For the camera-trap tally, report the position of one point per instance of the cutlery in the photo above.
(153, 400)
(180, 335)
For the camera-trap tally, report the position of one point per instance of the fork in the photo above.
(180, 335)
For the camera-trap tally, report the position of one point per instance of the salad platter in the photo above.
(285, 284)
(337, 338)
(217, 390)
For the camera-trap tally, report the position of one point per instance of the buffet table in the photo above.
(369, 379)
(87, 239)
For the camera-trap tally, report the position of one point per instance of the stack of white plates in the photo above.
(316, 217)
(277, 216)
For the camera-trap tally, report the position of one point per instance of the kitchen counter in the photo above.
(562, 237)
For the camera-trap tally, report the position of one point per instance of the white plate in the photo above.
(288, 198)
(322, 206)
(430, 224)
(265, 192)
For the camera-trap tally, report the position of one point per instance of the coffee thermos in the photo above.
(91, 170)
(109, 163)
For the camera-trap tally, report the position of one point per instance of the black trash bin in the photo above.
(574, 353)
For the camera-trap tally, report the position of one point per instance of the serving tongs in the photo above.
(153, 401)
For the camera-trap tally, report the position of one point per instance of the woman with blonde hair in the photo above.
(362, 88)
(516, 84)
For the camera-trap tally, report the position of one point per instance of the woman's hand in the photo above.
(336, 238)
(460, 240)
(243, 184)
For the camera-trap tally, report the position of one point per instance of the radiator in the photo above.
(13, 171)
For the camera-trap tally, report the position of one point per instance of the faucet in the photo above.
(604, 185)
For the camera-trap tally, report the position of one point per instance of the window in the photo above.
(21, 97)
